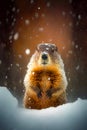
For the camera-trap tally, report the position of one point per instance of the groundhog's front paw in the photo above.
(38, 91)
(51, 91)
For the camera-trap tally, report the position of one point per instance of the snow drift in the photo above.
(71, 116)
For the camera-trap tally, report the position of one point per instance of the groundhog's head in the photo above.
(46, 54)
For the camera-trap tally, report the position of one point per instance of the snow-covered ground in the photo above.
(71, 116)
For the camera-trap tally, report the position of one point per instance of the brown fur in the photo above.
(45, 87)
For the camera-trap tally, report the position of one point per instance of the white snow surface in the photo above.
(70, 116)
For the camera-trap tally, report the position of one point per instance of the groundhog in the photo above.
(45, 81)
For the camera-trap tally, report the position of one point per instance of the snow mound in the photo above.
(71, 116)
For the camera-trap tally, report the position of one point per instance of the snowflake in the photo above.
(0, 62)
(36, 15)
(77, 67)
(16, 36)
(27, 22)
(76, 46)
(20, 56)
(63, 47)
(49, 78)
(63, 13)
(6, 77)
(41, 29)
(10, 37)
(79, 17)
(17, 65)
(70, 1)
(48, 4)
(27, 51)
(33, 73)
(38, 8)
(11, 65)
(18, 10)
(13, 9)
(70, 52)
(47, 49)
(43, 15)
(31, 1)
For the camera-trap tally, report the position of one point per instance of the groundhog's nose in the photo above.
(44, 56)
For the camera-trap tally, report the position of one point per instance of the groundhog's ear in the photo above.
(56, 48)
(37, 48)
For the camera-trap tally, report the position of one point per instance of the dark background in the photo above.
(63, 22)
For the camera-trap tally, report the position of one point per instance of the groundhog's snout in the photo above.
(44, 56)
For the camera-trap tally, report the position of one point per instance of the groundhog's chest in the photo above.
(45, 79)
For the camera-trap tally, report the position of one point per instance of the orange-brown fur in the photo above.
(46, 87)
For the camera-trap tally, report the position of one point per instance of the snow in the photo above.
(71, 116)
(79, 17)
(6, 77)
(36, 15)
(10, 37)
(77, 67)
(27, 22)
(20, 56)
(63, 13)
(13, 9)
(31, 1)
(70, 1)
(76, 46)
(38, 8)
(0, 62)
(41, 29)
(49, 78)
(48, 4)
(27, 51)
(17, 65)
(33, 73)
(16, 36)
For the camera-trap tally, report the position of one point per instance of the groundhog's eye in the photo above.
(54, 49)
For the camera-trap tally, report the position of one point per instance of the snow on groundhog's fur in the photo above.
(45, 81)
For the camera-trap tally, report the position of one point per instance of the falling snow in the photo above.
(47, 49)
(70, 1)
(48, 4)
(33, 73)
(27, 22)
(38, 8)
(41, 29)
(17, 65)
(16, 36)
(70, 52)
(76, 46)
(0, 62)
(6, 77)
(13, 9)
(63, 13)
(77, 67)
(31, 1)
(49, 78)
(79, 17)
(27, 51)
(10, 37)
(43, 15)
(20, 56)
(36, 15)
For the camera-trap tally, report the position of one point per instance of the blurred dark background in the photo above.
(25, 23)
